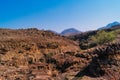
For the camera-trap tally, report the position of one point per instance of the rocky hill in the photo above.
(20, 48)
(32, 54)
(29, 38)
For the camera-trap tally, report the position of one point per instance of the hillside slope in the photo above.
(86, 41)
(35, 38)
(32, 54)
(20, 49)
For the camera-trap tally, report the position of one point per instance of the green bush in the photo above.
(104, 37)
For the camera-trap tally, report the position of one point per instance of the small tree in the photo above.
(103, 37)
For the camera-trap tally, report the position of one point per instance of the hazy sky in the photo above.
(58, 15)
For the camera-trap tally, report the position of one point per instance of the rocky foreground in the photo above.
(33, 54)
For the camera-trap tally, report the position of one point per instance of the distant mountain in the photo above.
(110, 25)
(70, 31)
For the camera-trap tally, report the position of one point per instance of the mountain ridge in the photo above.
(110, 25)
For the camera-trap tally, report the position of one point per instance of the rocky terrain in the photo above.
(32, 54)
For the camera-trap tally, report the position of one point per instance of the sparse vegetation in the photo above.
(103, 37)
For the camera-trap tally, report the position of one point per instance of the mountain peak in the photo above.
(110, 25)
(70, 31)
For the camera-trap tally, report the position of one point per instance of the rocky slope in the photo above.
(105, 63)
(33, 54)
(21, 49)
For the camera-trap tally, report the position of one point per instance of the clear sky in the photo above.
(58, 15)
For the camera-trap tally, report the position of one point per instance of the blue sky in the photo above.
(58, 15)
